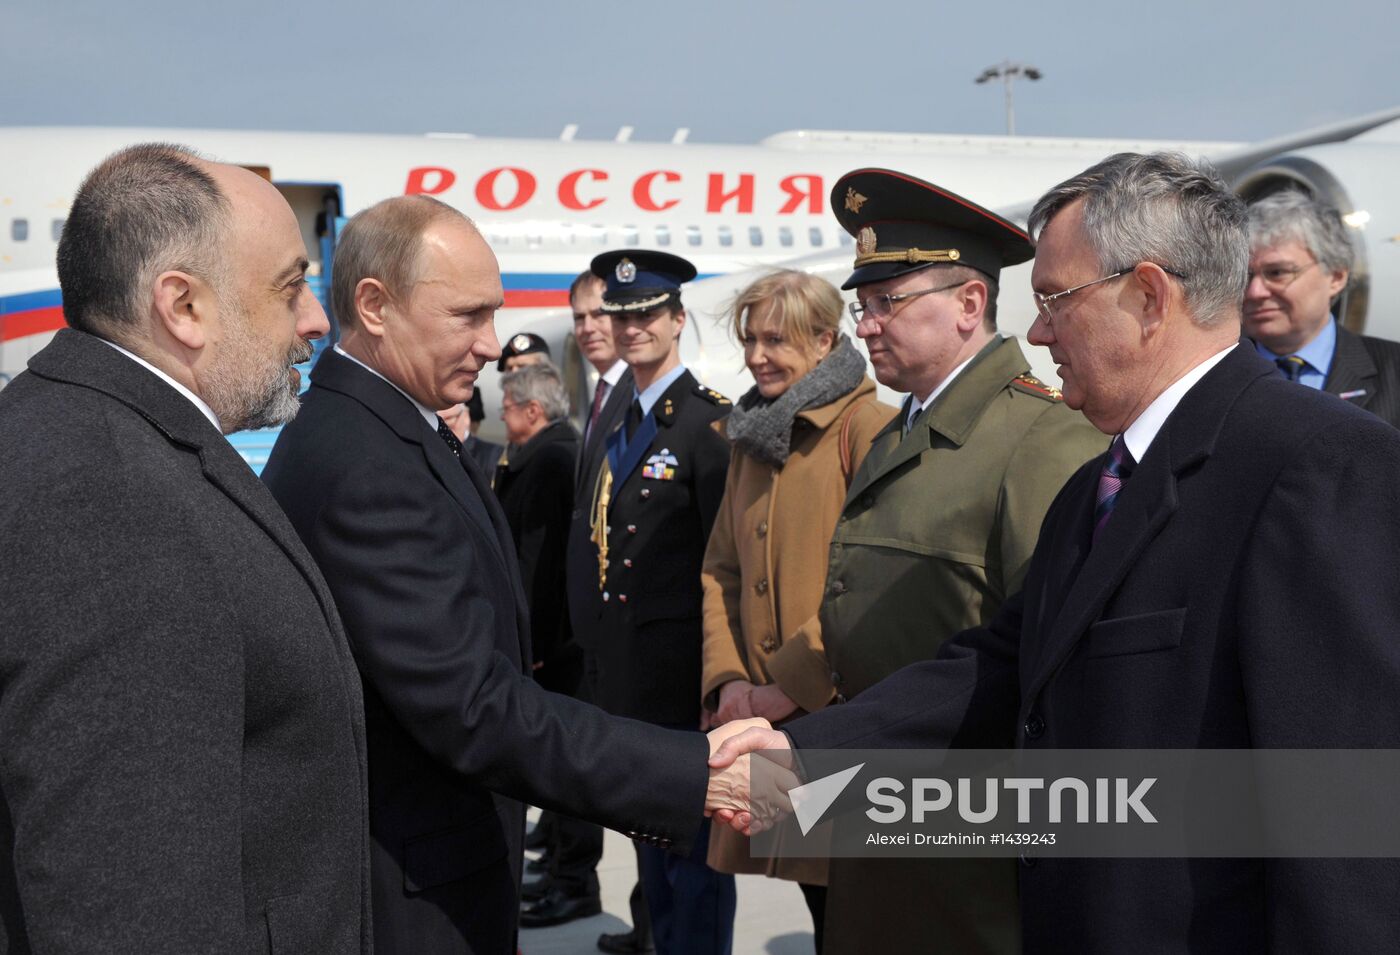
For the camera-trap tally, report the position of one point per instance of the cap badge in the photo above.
(626, 272)
(519, 343)
(854, 200)
(866, 242)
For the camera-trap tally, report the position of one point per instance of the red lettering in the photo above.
(418, 181)
(812, 193)
(486, 189)
(641, 192)
(741, 194)
(568, 189)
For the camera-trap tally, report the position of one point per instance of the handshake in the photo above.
(737, 797)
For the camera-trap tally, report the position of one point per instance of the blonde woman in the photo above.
(797, 438)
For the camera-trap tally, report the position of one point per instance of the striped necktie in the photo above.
(1292, 367)
(1116, 471)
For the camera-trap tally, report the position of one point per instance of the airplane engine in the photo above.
(1357, 178)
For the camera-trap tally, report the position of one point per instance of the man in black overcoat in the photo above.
(182, 742)
(418, 555)
(1208, 583)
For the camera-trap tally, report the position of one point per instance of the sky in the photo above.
(729, 71)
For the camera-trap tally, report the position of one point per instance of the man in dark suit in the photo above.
(420, 560)
(654, 505)
(536, 493)
(1203, 585)
(578, 845)
(181, 741)
(1300, 260)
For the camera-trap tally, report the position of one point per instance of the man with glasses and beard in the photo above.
(1299, 264)
(181, 735)
(941, 517)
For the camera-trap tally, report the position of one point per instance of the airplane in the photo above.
(548, 206)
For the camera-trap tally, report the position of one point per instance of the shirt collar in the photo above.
(428, 414)
(943, 385)
(614, 374)
(1141, 432)
(198, 402)
(657, 389)
(1317, 353)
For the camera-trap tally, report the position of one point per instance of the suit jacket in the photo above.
(585, 598)
(182, 759)
(1370, 366)
(420, 560)
(536, 493)
(666, 492)
(1230, 601)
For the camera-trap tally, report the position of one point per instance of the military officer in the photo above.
(653, 505)
(941, 518)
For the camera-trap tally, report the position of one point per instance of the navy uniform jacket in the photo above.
(1370, 366)
(182, 745)
(420, 560)
(1232, 600)
(647, 645)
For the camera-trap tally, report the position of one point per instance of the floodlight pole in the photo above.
(1007, 72)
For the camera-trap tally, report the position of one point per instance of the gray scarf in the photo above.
(762, 428)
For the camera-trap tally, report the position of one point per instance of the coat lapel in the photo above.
(81, 359)
(1352, 371)
(597, 444)
(1145, 505)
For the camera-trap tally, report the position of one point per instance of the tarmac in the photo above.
(772, 918)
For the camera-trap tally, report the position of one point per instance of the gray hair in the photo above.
(144, 210)
(541, 383)
(1290, 215)
(1166, 209)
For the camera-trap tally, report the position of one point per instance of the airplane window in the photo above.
(726, 235)
(784, 236)
(663, 235)
(534, 240)
(755, 235)
(600, 235)
(630, 235)
(58, 229)
(692, 234)
(814, 236)
(19, 229)
(844, 238)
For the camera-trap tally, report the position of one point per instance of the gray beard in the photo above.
(245, 395)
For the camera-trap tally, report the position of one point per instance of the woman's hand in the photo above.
(734, 702)
(771, 703)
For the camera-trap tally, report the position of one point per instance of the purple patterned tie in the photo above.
(1116, 471)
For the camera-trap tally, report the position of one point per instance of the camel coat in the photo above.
(764, 576)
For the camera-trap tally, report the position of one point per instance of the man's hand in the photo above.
(771, 703)
(734, 702)
(731, 797)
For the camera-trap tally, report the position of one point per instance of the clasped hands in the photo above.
(736, 796)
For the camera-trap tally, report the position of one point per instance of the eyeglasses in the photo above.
(1042, 302)
(1278, 277)
(881, 307)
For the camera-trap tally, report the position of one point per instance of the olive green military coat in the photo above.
(937, 531)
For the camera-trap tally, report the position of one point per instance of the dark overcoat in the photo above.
(1231, 601)
(182, 749)
(536, 491)
(420, 560)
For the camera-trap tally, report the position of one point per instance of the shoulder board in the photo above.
(1032, 385)
(710, 395)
